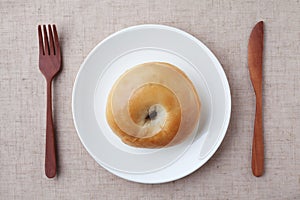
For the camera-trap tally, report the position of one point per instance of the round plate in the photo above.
(118, 53)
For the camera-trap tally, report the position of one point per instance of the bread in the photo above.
(153, 105)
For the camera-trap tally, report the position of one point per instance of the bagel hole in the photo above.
(151, 115)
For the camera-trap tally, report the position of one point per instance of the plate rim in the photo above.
(225, 84)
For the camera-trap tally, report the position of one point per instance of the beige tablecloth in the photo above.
(224, 26)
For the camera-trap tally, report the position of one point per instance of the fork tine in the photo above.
(56, 42)
(41, 48)
(52, 49)
(46, 40)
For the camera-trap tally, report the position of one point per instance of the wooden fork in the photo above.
(50, 65)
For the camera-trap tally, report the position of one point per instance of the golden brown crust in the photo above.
(144, 97)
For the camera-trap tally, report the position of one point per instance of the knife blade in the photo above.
(255, 59)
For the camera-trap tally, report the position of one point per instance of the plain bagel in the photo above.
(153, 105)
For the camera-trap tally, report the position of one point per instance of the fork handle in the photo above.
(50, 157)
(258, 141)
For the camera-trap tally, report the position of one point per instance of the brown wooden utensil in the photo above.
(50, 65)
(255, 58)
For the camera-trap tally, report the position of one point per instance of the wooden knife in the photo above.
(255, 57)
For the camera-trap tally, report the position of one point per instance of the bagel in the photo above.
(153, 105)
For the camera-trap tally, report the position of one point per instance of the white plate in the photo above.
(125, 49)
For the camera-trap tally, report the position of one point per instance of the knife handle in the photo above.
(258, 140)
